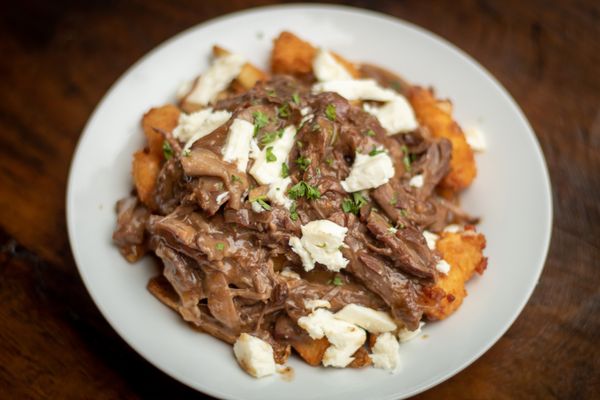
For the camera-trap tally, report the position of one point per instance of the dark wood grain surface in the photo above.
(59, 58)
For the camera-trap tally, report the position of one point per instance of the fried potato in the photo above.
(163, 118)
(145, 169)
(464, 252)
(311, 351)
(247, 77)
(361, 359)
(436, 116)
(294, 56)
(163, 291)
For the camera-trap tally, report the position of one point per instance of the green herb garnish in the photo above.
(329, 161)
(269, 155)
(330, 112)
(283, 111)
(303, 189)
(337, 281)
(235, 178)
(369, 133)
(354, 204)
(260, 121)
(293, 212)
(303, 163)
(261, 202)
(376, 151)
(220, 246)
(268, 138)
(406, 159)
(285, 170)
(296, 98)
(167, 150)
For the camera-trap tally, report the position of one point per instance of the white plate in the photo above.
(511, 193)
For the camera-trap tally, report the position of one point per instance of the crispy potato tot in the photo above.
(436, 117)
(146, 167)
(163, 291)
(163, 118)
(294, 56)
(464, 252)
(361, 359)
(311, 351)
(248, 76)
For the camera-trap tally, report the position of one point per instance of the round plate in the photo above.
(511, 194)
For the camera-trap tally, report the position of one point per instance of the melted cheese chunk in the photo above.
(404, 335)
(369, 172)
(345, 338)
(266, 172)
(277, 192)
(289, 273)
(443, 267)
(475, 139)
(417, 181)
(313, 304)
(327, 68)
(395, 116)
(194, 126)
(386, 352)
(371, 320)
(431, 239)
(254, 355)
(356, 89)
(321, 242)
(217, 78)
(237, 145)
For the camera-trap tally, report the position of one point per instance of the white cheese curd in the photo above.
(254, 355)
(305, 111)
(321, 242)
(194, 126)
(369, 172)
(475, 139)
(404, 335)
(216, 78)
(395, 116)
(417, 181)
(356, 89)
(386, 352)
(221, 197)
(372, 320)
(313, 304)
(257, 208)
(392, 230)
(267, 172)
(277, 192)
(443, 267)
(345, 338)
(327, 68)
(431, 239)
(237, 145)
(184, 89)
(307, 261)
(288, 273)
(453, 228)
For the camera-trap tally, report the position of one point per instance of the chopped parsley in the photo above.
(284, 111)
(404, 212)
(279, 133)
(270, 156)
(271, 93)
(296, 98)
(220, 246)
(260, 121)
(293, 212)
(329, 161)
(303, 163)
(186, 153)
(167, 150)
(303, 189)
(354, 204)
(369, 133)
(406, 159)
(299, 144)
(235, 178)
(330, 112)
(261, 202)
(394, 200)
(337, 281)
(269, 138)
(374, 151)
(285, 170)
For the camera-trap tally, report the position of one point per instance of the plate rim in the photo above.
(457, 51)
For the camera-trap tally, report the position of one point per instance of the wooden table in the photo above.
(58, 60)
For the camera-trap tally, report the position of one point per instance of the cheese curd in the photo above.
(277, 192)
(443, 267)
(395, 116)
(217, 78)
(327, 68)
(312, 304)
(386, 352)
(194, 126)
(372, 320)
(254, 355)
(404, 335)
(345, 338)
(356, 89)
(321, 242)
(264, 171)
(237, 145)
(431, 239)
(417, 181)
(369, 172)
(475, 139)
